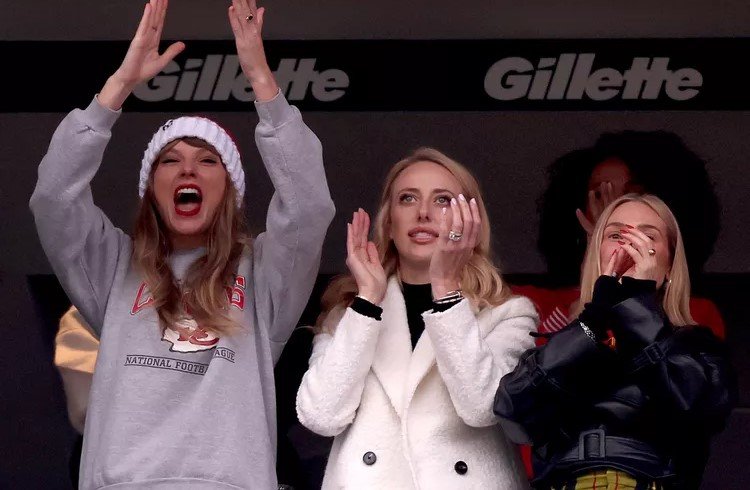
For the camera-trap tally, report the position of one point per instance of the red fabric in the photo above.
(553, 306)
(705, 312)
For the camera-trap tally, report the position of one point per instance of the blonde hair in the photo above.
(676, 297)
(204, 289)
(481, 281)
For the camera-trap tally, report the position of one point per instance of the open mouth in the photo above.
(423, 235)
(187, 200)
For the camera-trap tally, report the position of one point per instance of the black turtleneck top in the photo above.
(418, 299)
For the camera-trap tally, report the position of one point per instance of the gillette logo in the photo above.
(219, 77)
(570, 77)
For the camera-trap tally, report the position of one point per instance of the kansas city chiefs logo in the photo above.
(187, 336)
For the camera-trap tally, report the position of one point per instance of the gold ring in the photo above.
(651, 251)
(249, 17)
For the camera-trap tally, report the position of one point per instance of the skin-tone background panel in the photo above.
(509, 151)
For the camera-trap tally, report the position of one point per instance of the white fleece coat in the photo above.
(422, 416)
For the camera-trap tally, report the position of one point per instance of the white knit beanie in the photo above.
(197, 127)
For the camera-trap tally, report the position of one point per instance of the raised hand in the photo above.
(597, 203)
(643, 255)
(362, 259)
(619, 263)
(463, 222)
(247, 25)
(142, 61)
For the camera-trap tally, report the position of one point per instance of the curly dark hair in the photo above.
(660, 163)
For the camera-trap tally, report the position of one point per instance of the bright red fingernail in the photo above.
(621, 243)
(624, 231)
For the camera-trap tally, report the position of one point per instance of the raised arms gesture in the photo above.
(247, 25)
(142, 61)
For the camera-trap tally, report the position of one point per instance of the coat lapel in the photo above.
(393, 351)
(398, 369)
(423, 358)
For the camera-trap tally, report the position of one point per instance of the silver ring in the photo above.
(249, 17)
(651, 251)
(613, 274)
(454, 235)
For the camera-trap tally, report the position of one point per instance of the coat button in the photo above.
(369, 458)
(461, 468)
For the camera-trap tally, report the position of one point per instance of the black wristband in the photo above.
(365, 308)
(607, 291)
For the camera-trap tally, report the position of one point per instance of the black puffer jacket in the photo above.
(648, 407)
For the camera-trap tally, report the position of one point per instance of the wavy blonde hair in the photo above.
(204, 289)
(481, 281)
(676, 290)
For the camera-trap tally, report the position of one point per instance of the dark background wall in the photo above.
(508, 150)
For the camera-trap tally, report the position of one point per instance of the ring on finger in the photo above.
(249, 17)
(454, 235)
(651, 251)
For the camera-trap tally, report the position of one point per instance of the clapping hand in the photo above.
(459, 235)
(362, 259)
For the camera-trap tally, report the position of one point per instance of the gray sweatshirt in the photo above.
(183, 409)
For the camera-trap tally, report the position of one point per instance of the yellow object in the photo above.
(76, 348)
(606, 480)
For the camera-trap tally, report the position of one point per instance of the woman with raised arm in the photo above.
(628, 394)
(192, 314)
(412, 343)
